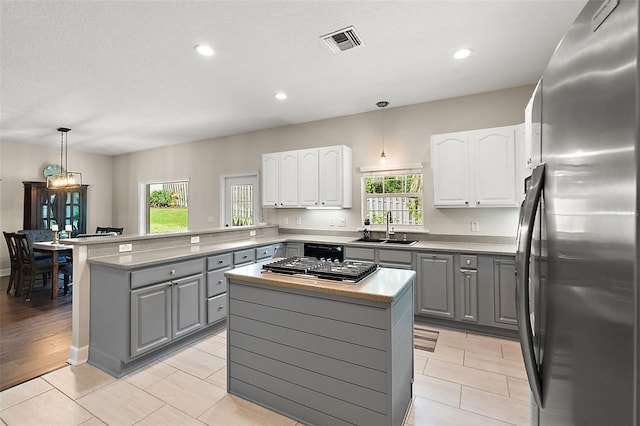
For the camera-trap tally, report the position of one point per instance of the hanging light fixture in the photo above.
(382, 105)
(64, 178)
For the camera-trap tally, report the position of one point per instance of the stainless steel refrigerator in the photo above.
(577, 261)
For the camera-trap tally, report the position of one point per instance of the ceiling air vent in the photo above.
(342, 40)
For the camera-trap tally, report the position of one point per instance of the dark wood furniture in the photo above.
(15, 261)
(29, 267)
(44, 207)
(108, 229)
(57, 251)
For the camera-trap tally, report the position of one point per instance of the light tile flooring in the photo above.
(468, 380)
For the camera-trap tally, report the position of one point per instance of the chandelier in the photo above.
(64, 178)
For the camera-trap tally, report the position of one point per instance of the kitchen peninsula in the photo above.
(319, 351)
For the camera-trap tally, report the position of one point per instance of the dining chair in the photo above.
(15, 261)
(29, 266)
(108, 229)
(67, 271)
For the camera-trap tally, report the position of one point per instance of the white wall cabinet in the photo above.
(313, 177)
(476, 168)
(280, 179)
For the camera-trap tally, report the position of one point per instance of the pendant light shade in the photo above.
(382, 105)
(64, 178)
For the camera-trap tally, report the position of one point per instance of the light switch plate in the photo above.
(125, 247)
(342, 221)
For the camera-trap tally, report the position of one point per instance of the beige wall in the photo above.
(407, 140)
(25, 162)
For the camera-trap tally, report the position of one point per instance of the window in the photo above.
(240, 200)
(398, 191)
(167, 207)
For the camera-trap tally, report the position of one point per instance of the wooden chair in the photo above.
(67, 271)
(29, 267)
(15, 261)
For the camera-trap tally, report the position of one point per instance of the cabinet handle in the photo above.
(275, 204)
(220, 307)
(172, 272)
(220, 261)
(245, 256)
(478, 202)
(466, 202)
(219, 281)
(468, 261)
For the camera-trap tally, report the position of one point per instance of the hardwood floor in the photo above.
(34, 336)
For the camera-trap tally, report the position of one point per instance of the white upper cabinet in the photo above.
(335, 176)
(308, 178)
(450, 162)
(289, 178)
(476, 168)
(270, 179)
(280, 179)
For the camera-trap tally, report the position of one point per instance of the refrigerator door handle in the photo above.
(523, 254)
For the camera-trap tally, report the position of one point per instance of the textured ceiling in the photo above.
(124, 77)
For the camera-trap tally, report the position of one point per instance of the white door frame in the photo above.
(223, 195)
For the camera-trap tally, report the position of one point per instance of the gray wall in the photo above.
(407, 140)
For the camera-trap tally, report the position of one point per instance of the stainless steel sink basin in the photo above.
(380, 241)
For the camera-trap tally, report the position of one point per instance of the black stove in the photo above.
(352, 271)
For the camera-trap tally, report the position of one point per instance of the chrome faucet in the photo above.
(389, 234)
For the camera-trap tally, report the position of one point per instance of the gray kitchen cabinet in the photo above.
(468, 295)
(504, 288)
(265, 252)
(165, 311)
(359, 253)
(435, 289)
(136, 315)
(217, 286)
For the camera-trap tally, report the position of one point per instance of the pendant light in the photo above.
(64, 178)
(382, 105)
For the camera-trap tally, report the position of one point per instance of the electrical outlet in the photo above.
(285, 221)
(475, 226)
(342, 221)
(252, 233)
(195, 240)
(125, 247)
(332, 221)
(299, 221)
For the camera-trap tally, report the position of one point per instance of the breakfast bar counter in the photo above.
(319, 351)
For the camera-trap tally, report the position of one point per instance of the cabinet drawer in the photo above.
(244, 256)
(216, 282)
(394, 256)
(356, 253)
(265, 252)
(167, 272)
(219, 261)
(468, 262)
(216, 308)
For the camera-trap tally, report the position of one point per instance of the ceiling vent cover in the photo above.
(342, 40)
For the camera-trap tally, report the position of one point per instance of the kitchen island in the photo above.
(322, 352)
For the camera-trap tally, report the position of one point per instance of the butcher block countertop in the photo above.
(384, 285)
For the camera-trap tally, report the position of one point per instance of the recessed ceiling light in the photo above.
(280, 96)
(204, 50)
(462, 53)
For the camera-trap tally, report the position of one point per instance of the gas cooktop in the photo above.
(347, 271)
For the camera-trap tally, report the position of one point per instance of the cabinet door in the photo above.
(330, 176)
(504, 288)
(308, 177)
(435, 285)
(270, 180)
(288, 178)
(450, 163)
(495, 166)
(468, 295)
(150, 317)
(187, 305)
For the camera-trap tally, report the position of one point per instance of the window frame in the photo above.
(366, 172)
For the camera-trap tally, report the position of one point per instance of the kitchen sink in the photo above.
(380, 241)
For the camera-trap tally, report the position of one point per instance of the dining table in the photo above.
(55, 250)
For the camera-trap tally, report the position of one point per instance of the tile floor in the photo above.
(468, 380)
